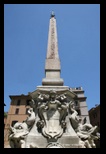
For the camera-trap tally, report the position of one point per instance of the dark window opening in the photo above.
(76, 103)
(18, 102)
(13, 123)
(27, 102)
(17, 111)
(95, 115)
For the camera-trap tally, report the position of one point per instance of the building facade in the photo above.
(94, 115)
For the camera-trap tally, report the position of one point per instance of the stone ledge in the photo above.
(52, 82)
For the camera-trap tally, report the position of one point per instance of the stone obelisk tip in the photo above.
(52, 14)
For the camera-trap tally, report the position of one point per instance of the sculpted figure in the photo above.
(32, 103)
(31, 118)
(85, 131)
(42, 98)
(42, 101)
(74, 118)
(63, 110)
(18, 134)
(53, 103)
(58, 103)
(20, 130)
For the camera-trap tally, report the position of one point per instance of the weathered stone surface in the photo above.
(52, 64)
(50, 81)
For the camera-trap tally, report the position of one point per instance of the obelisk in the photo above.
(52, 64)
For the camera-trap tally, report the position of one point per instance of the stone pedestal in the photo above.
(67, 138)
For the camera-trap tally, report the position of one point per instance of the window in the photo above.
(27, 110)
(17, 111)
(76, 103)
(27, 102)
(18, 102)
(95, 115)
(13, 123)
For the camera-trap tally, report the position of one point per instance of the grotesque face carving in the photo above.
(19, 129)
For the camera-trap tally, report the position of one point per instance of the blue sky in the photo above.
(25, 45)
